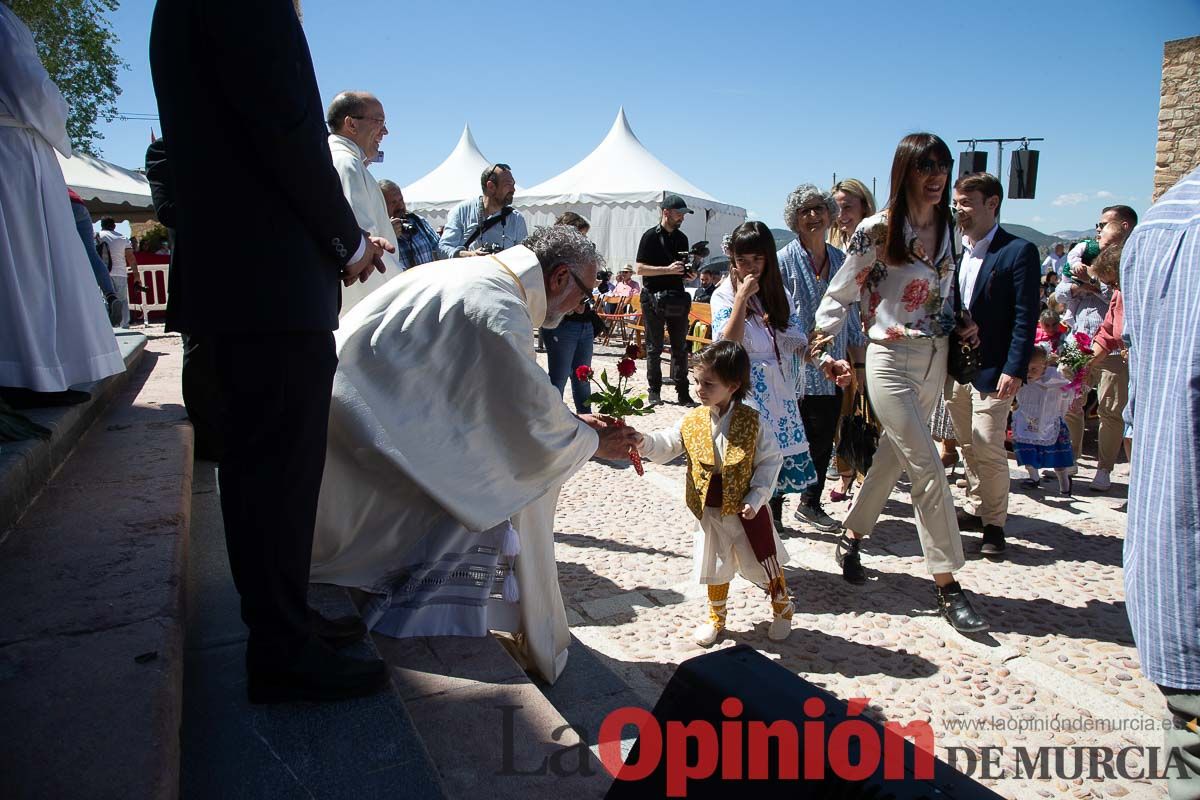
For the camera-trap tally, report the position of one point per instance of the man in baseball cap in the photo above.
(665, 304)
(674, 202)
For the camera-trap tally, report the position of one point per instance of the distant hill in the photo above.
(1042, 240)
(782, 237)
(1073, 236)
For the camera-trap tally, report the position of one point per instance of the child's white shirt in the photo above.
(666, 444)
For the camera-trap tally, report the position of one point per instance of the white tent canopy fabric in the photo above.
(436, 193)
(618, 188)
(108, 190)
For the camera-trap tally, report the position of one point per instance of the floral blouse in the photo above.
(896, 301)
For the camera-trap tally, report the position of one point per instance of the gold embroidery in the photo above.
(737, 467)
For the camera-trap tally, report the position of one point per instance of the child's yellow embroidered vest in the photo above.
(736, 468)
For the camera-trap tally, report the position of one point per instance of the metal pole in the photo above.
(1000, 162)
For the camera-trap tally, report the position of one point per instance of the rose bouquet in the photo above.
(1073, 357)
(615, 401)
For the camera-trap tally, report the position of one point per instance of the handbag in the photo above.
(859, 437)
(962, 362)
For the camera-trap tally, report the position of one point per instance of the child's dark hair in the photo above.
(1039, 353)
(730, 362)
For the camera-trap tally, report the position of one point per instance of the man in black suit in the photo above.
(999, 283)
(243, 122)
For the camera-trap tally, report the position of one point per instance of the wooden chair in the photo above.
(627, 317)
(700, 332)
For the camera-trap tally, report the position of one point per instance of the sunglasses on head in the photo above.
(929, 166)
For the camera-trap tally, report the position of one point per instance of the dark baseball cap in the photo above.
(675, 203)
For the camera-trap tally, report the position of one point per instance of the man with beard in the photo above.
(665, 304)
(448, 445)
(486, 223)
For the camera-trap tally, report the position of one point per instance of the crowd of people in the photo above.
(343, 460)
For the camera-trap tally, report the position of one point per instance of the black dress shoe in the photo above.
(968, 521)
(337, 633)
(685, 399)
(776, 505)
(653, 398)
(816, 516)
(993, 541)
(848, 559)
(314, 673)
(954, 605)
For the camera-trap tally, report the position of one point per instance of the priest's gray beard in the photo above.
(554, 307)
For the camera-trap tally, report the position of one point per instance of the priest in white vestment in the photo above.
(54, 330)
(357, 126)
(448, 445)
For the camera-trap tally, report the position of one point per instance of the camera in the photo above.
(408, 226)
(488, 249)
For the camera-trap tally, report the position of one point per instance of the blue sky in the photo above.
(744, 102)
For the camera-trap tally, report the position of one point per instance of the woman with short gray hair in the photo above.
(808, 263)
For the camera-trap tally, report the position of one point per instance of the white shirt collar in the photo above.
(983, 244)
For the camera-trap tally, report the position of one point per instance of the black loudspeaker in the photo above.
(737, 722)
(972, 161)
(1022, 175)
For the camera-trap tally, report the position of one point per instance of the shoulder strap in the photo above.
(488, 224)
(954, 254)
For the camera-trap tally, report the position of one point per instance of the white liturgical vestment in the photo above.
(447, 448)
(366, 199)
(54, 330)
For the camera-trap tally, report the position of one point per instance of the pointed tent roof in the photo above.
(455, 179)
(620, 168)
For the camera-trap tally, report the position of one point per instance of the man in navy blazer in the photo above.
(998, 279)
(243, 122)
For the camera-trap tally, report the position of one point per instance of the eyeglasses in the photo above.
(928, 166)
(812, 210)
(582, 286)
(380, 120)
(1101, 226)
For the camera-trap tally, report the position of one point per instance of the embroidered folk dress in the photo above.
(721, 546)
(773, 386)
(1040, 436)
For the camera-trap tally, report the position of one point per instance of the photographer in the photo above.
(660, 261)
(416, 241)
(485, 224)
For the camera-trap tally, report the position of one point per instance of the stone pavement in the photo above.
(1058, 667)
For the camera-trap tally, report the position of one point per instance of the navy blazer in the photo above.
(244, 131)
(1005, 305)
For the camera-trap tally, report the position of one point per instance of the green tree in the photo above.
(74, 40)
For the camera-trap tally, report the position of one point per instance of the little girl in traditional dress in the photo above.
(733, 461)
(1040, 435)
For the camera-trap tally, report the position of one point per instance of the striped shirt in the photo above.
(807, 290)
(1160, 279)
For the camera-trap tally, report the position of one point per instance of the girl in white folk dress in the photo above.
(1040, 436)
(733, 461)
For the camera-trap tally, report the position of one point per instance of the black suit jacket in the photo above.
(1005, 305)
(247, 156)
(159, 178)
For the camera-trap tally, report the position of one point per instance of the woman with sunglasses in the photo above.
(900, 267)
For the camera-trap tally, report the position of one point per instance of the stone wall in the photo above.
(1179, 114)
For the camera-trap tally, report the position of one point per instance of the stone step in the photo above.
(490, 730)
(91, 598)
(26, 466)
(364, 748)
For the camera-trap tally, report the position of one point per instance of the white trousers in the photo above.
(905, 378)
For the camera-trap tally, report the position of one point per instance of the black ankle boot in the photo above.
(954, 605)
(848, 559)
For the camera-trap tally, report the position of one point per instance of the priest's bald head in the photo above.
(569, 264)
(358, 116)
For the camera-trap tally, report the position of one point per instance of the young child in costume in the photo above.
(733, 461)
(1040, 435)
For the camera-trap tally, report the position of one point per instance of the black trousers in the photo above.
(677, 330)
(277, 390)
(202, 397)
(820, 414)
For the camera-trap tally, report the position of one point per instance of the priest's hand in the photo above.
(615, 442)
(748, 512)
(595, 421)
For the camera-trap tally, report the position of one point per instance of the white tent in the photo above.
(108, 190)
(435, 194)
(618, 188)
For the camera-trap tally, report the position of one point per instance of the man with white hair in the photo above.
(356, 129)
(448, 445)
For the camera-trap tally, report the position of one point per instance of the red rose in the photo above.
(633, 351)
(626, 367)
(1083, 340)
(583, 373)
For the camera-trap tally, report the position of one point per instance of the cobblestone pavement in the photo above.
(1059, 656)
